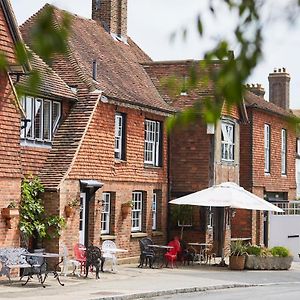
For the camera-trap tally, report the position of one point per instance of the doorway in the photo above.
(82, 219)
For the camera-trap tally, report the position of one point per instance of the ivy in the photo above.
(33, 220)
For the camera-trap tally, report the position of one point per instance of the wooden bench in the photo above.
(14, 258)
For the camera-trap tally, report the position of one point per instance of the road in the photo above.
(286, 291)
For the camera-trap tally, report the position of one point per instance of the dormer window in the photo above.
(42, 120)
(227, 133)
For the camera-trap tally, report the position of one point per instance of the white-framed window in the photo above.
(283, 151)
(152, 152)
(119, 136)
(105, 215)
(42, 119)
(298, 147)
(154, 211)
(227, 133)
(136, 212)
(267, 143)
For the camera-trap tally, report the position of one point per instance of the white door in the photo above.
(82, 218)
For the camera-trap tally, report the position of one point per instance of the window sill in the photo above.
(284, 175)
(107, 237)
(34, 144)
(157, 233)
(147, 166)
(267, 174)
(120, 161)
(138, 234)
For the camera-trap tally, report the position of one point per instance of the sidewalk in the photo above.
(131, 282)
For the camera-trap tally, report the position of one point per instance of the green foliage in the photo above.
(280, 251)
(181, 214)
(48, 39)
(238, 248)
(254, 250)
(33, 219)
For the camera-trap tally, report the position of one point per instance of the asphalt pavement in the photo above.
(130, 282)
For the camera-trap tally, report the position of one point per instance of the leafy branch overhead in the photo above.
(234, 69)
(49, 37)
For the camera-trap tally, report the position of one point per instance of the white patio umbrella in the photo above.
(226, 194)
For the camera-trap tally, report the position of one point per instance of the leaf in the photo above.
(199, 25)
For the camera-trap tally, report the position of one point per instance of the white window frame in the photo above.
(298, 147)
(105, 214)
(152, 142)
(29, 105)
(267, 143)
(118, 135)
(283, 151)
(154, 211)
(227, 140)
(137, 211)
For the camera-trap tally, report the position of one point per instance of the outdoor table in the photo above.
(45, 256)
(161, 250)
(202, 251)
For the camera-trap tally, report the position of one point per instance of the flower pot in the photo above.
(125, 210)
(9, 213)
(237, 262)
(68, 211)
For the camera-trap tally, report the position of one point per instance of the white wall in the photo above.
(280, 228)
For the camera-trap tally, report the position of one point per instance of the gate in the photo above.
(284, 228)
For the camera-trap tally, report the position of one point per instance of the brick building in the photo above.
(200, 155)
(268, 144)
(111, 146)
(10, 116)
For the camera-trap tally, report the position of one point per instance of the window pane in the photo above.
(227, 146)
(105, 215)
(47, 120)
(56, 114)
(29, 116)
(38, 119)
(118, 135)
(136, 213)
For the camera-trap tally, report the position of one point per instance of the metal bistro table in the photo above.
(160, 250)
(202, 251)
(111, 255)
(45, 256)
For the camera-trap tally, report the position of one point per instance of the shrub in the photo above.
(280, 251)
(254, 250)
(238, 248)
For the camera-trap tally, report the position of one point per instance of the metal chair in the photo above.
(93, 259)
(171, 255)
(109, 253)
(147, 255)
(67, 262)
(80, 255)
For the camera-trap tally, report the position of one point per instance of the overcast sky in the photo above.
(151, 23)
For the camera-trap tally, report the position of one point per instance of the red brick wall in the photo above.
(274, 181)
(6, 41)
(189, 158)
(95, 160)
(96, 155)
(10, 176)
(252, 175)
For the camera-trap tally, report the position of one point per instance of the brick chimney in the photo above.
(112, 14)
(256, 89)
(279, 88)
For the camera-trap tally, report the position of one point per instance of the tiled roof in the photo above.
(120, 74)
(67, 140)
(160, 71)
(252, 100)
(51, 84)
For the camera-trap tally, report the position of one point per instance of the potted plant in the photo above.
(10, 212)
(69, 208)
(126, 208)
(237, 256)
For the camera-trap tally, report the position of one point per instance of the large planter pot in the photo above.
(268, 263)
(237, 262)
(8, 213)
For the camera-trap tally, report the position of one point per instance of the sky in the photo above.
(152, 22)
